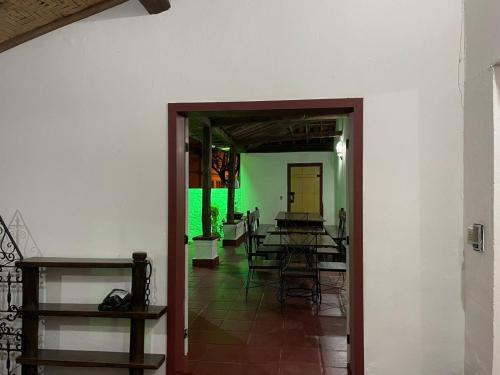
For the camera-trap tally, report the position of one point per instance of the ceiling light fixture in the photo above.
(340, 149)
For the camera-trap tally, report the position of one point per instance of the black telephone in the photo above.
(116, 300)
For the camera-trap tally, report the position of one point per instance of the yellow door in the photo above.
(305, 188)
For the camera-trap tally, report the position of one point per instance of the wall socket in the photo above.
(475, 236)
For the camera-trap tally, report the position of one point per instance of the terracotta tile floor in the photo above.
(229, 336)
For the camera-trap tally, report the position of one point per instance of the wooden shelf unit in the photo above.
(56, 262)
(78, 358)
(135, 360)
(92, 311)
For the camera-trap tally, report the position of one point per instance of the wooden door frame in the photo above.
(289, 183)
(176, 256)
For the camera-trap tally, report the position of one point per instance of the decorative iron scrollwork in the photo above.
(10, 301)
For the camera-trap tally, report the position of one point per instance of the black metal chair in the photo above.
(338, 234)
(255, 243)
(255, 261)
(300, 262)
(339, 254)
(261, 230)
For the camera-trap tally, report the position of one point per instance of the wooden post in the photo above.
(137, 326)
(206, 216)
(248, 233)
(30, 321)
(230, 186)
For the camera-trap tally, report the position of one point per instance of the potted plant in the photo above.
(216, 222)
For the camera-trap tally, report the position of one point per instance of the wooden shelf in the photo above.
(78, 358)
(32, 357)
(91, 310)
(75, 262)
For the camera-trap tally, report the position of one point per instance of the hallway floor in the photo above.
(229, 336)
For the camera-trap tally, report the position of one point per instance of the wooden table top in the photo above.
(299, 216)
(285, 230)
(299, 239)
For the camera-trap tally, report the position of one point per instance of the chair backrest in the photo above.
(342, 221)
(249, 225)
(257, 216)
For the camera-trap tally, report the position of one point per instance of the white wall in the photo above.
(480, 196)
(496, 220)
(83, 141)
(264, 182)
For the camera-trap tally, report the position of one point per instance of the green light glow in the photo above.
(219, 200)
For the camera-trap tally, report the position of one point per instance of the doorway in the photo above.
(177, 128)
(305, 187)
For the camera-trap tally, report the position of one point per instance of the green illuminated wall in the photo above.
(219, 200)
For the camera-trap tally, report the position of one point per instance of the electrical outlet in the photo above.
(475, 237)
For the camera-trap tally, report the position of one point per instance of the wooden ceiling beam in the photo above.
(229, 123)
(290, 147)
(227, 138)
(244, 130)
(296, 137)
(60, 22)
(156, 6)
(152, 6)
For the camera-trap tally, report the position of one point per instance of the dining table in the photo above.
(289, 240)
(284, 230)
(299, 219)
(301, 240)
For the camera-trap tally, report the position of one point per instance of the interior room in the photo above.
(252, 300)
(100, 202)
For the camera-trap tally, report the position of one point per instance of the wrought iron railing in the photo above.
(10, 301)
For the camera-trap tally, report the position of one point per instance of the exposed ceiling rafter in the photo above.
(255, 132)
(296, 137)
(289, 147)
(227, 138)
(21, 21)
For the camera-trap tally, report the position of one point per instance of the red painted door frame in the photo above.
(176, 361)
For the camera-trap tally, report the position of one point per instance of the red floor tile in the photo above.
(274, 339)
(214, 313)
(335, 371)
(301, 354)
(333, 342)
(224, 297)
(213, 368)
(219, 305)
(261, 355)
(334, 358)
(228, 337)
(223, 353)
(229, 334)
(241, 315)
(204, 324)
(300, 369)
(196, 351)
(241, 306)
(260, 369)
(299, 338)
(273, 316)
(330, 311)
(237, 325)
(267, 326)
